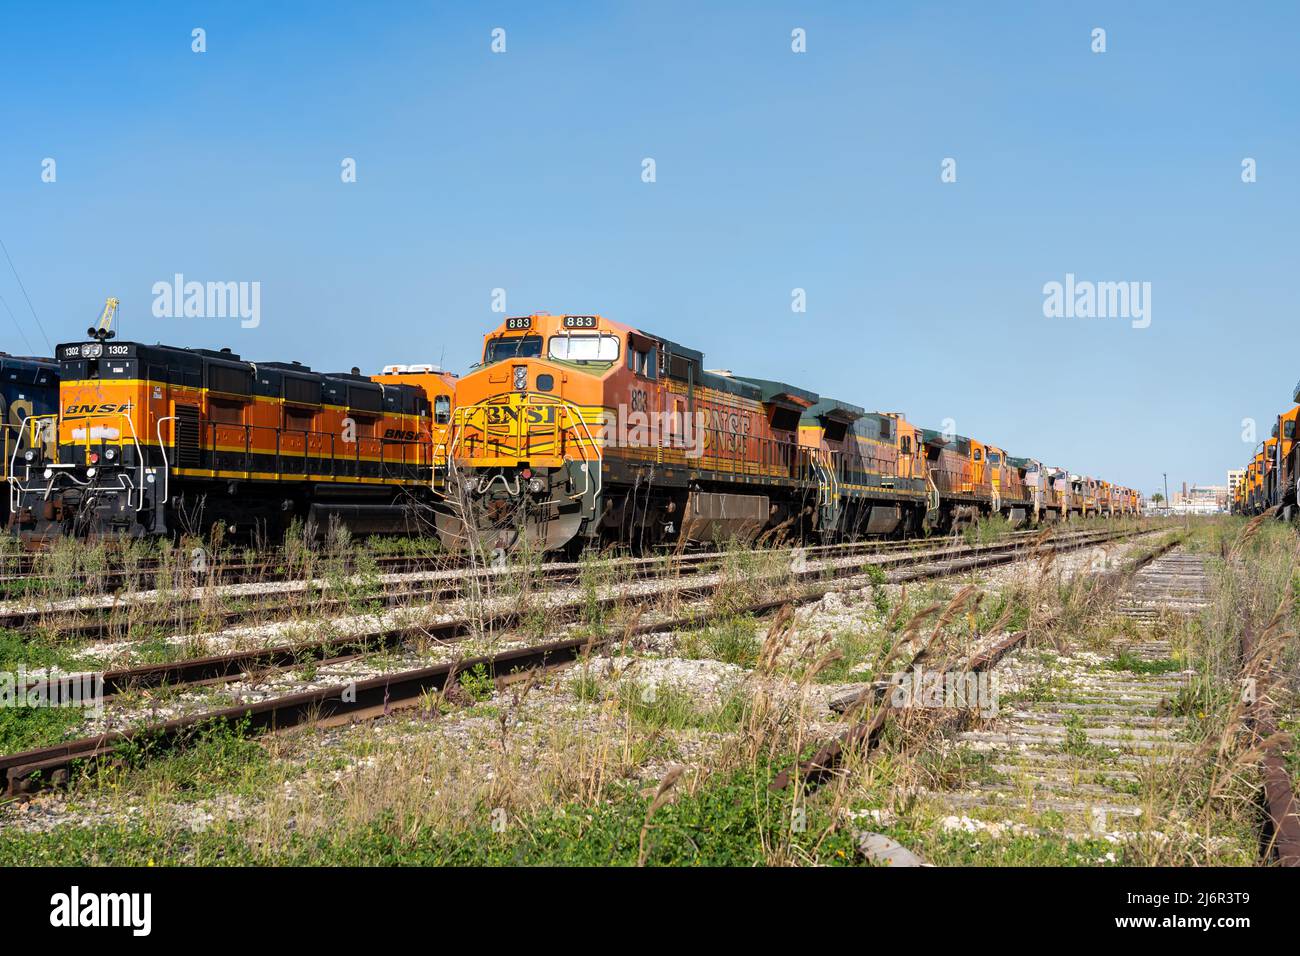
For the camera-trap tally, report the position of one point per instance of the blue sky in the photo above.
(774, 170)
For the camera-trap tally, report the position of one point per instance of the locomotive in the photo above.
(155, 439)
(29, 394)
(1270, 477)
(577, 430)
(574, 430)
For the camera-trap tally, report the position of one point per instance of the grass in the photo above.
(732, 641)
(221, 758)
(861, 652)
(987, 530)
(1042, 849)
(1125, 660)
(731, 821)
(654, 710)
(25, 728)
(1204, 803)
(1077, 744)
(568, 776)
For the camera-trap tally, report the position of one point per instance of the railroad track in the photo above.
(1086, 739)
(1082, 752)
(52, 765)
(117, 616)
(28, 574)
(113, 570)
(508, 614)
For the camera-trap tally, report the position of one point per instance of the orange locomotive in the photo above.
(154, 439)
(574, 430)
(577, 429)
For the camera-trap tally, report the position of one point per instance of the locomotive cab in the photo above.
(523, 452)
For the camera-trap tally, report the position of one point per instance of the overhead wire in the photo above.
(14, 269)
(17, 325)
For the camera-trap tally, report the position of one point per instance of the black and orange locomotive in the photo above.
(152, 439)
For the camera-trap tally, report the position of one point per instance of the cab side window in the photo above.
(643, 362)
(442, 409)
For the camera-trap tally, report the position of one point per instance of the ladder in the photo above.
(828, 488)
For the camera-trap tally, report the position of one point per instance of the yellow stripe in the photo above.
(273, 476)
(99, 384)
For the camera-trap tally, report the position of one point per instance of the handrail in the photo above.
(163, 450)
(139, 451)
(12, 477)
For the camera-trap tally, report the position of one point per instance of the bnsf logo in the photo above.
(505, 414)
(107, 408)
(397, 434)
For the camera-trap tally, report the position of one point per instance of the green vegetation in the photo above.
(220, 758)
(24, 728)
(1077, 744)
(1127, 661)
(987, 530)
(733, 821)
(732, 641)
(654, 710)
(484, 776)
(477, 683)
(879, 599)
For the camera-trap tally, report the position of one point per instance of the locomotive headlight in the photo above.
(29, 455)
(90, 472)
(110, 454)
(521, 377)
(536, 485)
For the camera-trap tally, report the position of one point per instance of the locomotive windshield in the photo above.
(516, 346)
(584, 348)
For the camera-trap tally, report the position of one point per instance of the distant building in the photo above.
(1235, 477)
(1200, 500)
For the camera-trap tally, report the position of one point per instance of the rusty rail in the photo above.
(1280, 839)
(864, 734)
(96, 620)
(32, 769)
(219, 666)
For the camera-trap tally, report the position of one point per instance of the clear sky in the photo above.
(774, 170)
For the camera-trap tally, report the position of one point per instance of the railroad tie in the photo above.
(1083, 729)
